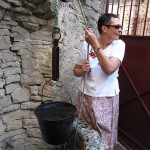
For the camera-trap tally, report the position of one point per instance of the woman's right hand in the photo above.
(91, 38)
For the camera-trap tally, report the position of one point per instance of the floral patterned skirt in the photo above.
(102, 114)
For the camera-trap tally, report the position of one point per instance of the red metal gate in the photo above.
(134, 74)
(134, 80)
(134, 15)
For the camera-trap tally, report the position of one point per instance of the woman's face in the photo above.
(113, 29)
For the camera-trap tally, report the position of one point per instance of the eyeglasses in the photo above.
(115, 26)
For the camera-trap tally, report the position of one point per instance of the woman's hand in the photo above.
(86, 66)
(80, 70)
(90, 38)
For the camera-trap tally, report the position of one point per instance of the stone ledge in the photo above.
(90, 137)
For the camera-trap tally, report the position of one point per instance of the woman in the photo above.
(98, 94)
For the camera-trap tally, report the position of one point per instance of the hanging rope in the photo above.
(55, 53)
(82, 13)
(81, 98)
(56, 27)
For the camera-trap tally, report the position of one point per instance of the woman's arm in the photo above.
(80, 70)
(109, 65)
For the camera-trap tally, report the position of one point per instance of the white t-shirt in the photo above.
(96, 83)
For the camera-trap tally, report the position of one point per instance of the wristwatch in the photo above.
(97, 49)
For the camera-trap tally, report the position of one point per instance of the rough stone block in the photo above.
(16, 115)
(29, 105)
(8, 56)
(11, 87)
(12, 78)
(11, 71)
(32, 79)
(5, 102)
(2, 93)
(2, 83)
(10, 108)
(2, 127)
(30, 123)
(13, 125)
(34, 132)
(5, 42)
(20, 95)
(4, 32)
(1, 73)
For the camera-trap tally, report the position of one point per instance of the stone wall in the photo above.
(26, 27)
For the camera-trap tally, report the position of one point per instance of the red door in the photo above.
(134, 80)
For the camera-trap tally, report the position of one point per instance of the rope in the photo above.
(57, 30)
(82, 13)
(56, 27)
(81, 98)
(87, 57)
(80, 109)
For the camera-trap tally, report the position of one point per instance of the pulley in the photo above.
(67, 0)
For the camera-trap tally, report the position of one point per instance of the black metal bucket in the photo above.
(55, 120)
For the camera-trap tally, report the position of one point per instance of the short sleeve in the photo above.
(118, 50)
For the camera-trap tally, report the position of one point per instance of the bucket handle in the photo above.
(55, 94)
